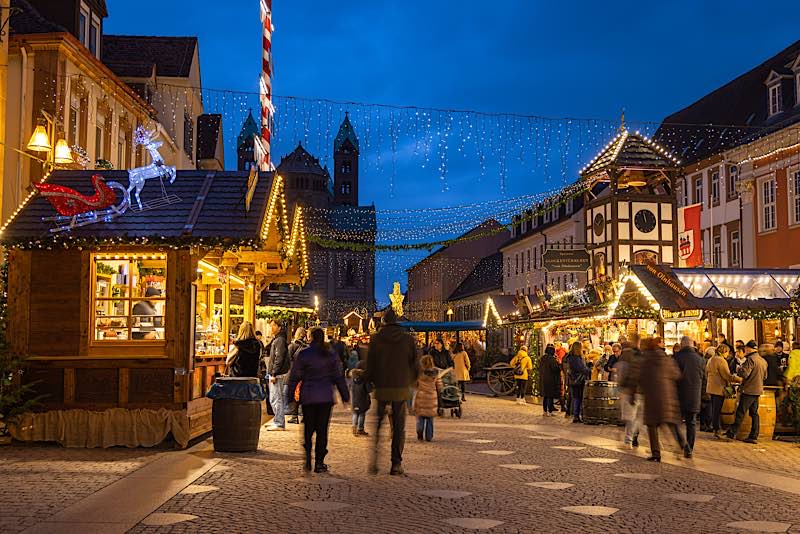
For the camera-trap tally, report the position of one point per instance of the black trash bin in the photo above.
(236, 413)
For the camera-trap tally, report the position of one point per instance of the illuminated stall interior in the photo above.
(137, 312)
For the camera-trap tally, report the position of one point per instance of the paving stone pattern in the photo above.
(38, 481)
(452, 487)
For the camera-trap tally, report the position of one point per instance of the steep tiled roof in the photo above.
(28, 20)
(132, 69)
(346, 133)
(630, 150)
(486, 276)
(301, 161)
(286, 299)
(220, 214)
(209, 129)
(739, 109)
(171, 55)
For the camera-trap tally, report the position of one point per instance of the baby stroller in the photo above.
(450, 395)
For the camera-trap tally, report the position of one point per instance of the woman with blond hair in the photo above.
(243, 359)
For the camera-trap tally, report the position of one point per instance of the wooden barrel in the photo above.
(766, 416)
(601, 403)
(728, 411)
(236, 424)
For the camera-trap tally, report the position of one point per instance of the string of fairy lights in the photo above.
(435, 148)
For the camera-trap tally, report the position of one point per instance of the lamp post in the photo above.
(45, 130)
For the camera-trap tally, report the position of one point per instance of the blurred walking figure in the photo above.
(658, 379)
(631, 403)
(550, 377)
(753, 372)
(298, 343)
(392, 369)
(317, 371)
(719, 378)
(427, 398)
(462, 367)
(690, 387)
(577, 375)
(359, 395)
(521, 364)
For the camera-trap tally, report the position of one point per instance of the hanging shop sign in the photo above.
(565, 261)
(669, 281)
(683, 315)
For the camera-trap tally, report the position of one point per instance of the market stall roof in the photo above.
(291, 300)
(718, 289)
(435, 326)
(198, 205)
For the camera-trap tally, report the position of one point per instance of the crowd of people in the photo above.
(680, 391)
(303, 374)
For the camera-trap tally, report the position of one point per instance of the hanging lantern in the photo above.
(63, 155)
(40, 141)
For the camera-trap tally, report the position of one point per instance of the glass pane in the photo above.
(111, 319)
(149, 278)
(147, 318)
(111, 278)
(698, 284)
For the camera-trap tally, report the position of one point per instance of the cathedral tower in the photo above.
(345, 160)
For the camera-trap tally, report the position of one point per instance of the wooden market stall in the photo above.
(126, 318)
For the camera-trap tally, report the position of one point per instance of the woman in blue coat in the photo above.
(317, 370)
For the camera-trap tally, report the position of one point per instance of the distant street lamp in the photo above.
(450, 314)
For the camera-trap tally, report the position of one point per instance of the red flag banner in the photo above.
(690, 242)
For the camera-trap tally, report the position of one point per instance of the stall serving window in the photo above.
(128, 297)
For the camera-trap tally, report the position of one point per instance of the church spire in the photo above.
(346, 133)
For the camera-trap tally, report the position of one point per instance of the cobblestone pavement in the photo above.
(487, 469)
(38, 481)
(780, 457)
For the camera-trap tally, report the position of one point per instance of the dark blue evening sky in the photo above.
(551, 59)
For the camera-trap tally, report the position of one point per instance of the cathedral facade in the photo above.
(342, 279)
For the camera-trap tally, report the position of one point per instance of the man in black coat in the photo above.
(690, 385)
(392, 369)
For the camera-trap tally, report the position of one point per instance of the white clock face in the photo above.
(645, 221)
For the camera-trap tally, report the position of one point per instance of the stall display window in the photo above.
(128, 297)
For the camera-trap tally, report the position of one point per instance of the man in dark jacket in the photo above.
(690, 385)
(392, 369)
(277, 372)
(774, 373)
(753, 372)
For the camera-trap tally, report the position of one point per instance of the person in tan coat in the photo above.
(462, 367)
(426, 400)
(719, 377)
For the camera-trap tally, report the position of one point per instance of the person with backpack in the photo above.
(577, 375)
(521, 364)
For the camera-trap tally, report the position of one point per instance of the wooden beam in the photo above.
(69, 386)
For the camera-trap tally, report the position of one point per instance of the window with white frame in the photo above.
(733, 181)
(94, 37)
(797, 87)
(99, 136)
(767, 197)
(775, 99)
(73, 119)
(794, 196)
(714, 187)
(122, 149)
(717, 251)
(83, 24)
(684, 193)
(535, 258)
(734, 249)
(698, 190)
(516, 260)
(508, 267)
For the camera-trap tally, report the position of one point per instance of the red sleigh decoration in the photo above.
(76, 209)
(69, 202)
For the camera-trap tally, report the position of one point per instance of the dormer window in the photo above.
(775, 99)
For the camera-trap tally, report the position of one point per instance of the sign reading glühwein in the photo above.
(565, 261)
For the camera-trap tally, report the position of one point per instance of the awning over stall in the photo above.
(436, 326)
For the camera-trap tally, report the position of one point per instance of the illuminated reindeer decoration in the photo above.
(156, 169)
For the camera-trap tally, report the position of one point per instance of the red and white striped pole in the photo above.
(267, 109)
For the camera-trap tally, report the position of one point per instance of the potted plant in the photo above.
(16, 398)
